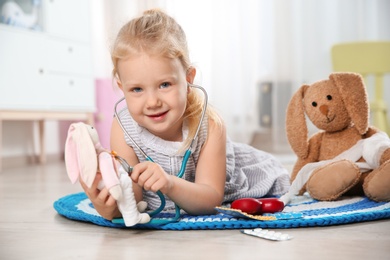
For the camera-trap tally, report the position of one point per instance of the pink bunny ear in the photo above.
(80, 154)
(71, 159)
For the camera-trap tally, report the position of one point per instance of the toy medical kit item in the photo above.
(258, 206)
(266, 234)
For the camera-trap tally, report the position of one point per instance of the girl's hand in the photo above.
(151, 176)
(103, 202)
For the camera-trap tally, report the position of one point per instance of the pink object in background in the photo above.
(106, 96)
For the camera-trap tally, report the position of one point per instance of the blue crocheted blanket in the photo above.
(303, 211)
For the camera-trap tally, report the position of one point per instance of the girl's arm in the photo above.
(208, 190)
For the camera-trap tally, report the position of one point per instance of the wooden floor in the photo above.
(31, 229)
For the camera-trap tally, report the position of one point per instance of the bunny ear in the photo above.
(296, 128)
(71, 159)
(80, 154)
(353, 92)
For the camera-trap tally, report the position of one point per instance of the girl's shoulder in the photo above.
(216, 125)
(216, 132)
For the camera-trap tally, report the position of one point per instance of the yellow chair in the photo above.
(367, 58)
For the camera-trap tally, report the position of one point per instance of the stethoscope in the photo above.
(129, 169)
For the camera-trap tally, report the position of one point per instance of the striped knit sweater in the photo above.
(249, 172)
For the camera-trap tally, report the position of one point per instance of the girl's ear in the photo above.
(191, 73)
(116, 79)
(118, 82)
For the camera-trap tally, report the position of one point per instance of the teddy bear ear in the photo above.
(296, 127)
(353, 92)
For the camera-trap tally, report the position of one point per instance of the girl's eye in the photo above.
(165, 85)
(136, 90)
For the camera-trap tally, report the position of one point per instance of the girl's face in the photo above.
(156, 90)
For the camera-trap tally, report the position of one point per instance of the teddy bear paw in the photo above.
(376, 185)
(332, 180)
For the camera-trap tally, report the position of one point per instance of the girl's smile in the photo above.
(158, 117)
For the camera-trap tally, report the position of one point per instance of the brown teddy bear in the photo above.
(348, 157)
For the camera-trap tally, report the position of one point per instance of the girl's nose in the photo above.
(153, 100)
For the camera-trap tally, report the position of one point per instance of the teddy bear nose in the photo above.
(324, 109)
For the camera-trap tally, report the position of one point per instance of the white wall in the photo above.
(261, 36)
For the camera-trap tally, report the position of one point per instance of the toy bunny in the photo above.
(85, 156)
(348, 156)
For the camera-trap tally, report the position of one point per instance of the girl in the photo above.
(152, 68)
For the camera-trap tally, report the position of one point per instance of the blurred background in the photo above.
(250, 56)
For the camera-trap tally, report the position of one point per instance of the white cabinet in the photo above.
(46, 74)
(68, 19)
(49, 69)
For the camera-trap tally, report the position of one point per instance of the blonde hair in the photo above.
(157, 33)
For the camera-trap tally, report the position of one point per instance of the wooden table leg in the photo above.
(1, 144)
(42, 153)
(90, 119)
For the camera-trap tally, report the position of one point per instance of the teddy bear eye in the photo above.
(314, 104)
(329, 97)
